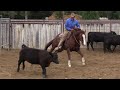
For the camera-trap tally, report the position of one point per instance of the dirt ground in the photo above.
(98, 66)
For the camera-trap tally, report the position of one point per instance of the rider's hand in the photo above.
(76, 28)
(72, 30)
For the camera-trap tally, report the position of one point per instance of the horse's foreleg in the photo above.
(83, 59)
(69, 57)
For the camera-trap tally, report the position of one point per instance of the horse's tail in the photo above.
(48, 44)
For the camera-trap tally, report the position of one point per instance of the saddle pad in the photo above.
(61, 35)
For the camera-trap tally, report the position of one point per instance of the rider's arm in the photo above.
(67, 25)
(77, 24)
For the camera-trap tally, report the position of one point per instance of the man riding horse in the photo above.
(70, 24)
(69, 40)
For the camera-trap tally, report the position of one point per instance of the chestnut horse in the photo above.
(70, 44)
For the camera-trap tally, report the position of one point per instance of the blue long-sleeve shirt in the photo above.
(70, 24)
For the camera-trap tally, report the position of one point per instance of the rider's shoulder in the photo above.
(68, 19)
(76, 20)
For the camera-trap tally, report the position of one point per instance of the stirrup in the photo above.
(57, 48)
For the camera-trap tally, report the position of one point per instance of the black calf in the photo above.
(37, 56)
(97, 37)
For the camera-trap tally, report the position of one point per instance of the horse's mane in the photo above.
(78, 30)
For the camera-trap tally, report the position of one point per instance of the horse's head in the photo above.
(80, 35)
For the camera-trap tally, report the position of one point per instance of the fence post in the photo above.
(0, 33)
(110, 25)
(0, 36)
(9, 46)
(63, 21)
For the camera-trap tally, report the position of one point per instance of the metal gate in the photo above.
(4, 33)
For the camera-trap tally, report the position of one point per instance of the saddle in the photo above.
(68, 35)
(61, 35)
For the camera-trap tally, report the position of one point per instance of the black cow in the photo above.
(37, 56)
(97, 37)
(111, 40)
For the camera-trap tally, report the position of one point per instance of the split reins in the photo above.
(75, 39)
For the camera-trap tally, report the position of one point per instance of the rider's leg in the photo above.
(62, 39)
(68, 35)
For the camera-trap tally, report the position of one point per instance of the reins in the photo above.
(75, 39)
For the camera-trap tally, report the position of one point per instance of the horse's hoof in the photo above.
(83, 64)
(69, 65)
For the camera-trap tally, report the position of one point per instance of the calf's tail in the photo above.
(24, 46)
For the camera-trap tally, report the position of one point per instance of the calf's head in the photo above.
(112, 32)
(54, 57)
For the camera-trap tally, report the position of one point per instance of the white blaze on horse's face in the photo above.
(84, 40)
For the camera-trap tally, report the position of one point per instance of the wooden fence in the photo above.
(4, 32)
(36, 33)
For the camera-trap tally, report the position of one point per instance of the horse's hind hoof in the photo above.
(83, 64)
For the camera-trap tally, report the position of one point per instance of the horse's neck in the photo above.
(73, 38)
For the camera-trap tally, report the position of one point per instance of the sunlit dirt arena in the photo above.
(98, 66)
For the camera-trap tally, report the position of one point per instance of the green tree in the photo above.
(39, 14)
(58, 14)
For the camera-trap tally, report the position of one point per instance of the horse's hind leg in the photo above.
(83, 59)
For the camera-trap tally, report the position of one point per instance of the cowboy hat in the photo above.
(72, 14)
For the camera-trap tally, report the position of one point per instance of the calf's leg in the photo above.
(43, 71)
(114, 48)
(109, 48)
(19, 62)
(88, 45)
(92, 45)
(23, 65)
(104, 47)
